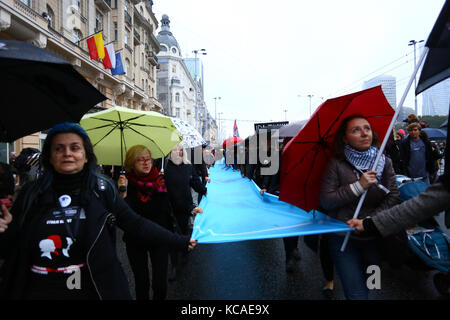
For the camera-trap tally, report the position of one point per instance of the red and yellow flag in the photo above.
(96, 47)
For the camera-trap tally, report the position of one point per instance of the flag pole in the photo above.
(93, 34)
(386, 137)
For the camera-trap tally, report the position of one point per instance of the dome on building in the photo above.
(165, 36)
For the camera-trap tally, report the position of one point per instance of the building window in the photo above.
(174, 69)
(163, 66)
(5, 150)
(177, 112)
(127, 64)
(177, 97)
(76, 35)
(116, 32)
(163, 49)
(98, 21)
(26, 2)
(142, 60)
(174, 50)
(76, 4)
(126, 36)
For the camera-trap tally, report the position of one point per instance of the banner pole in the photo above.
(386, 137)
(89, 36)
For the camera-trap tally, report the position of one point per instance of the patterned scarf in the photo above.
(364, 160)
(148, 184)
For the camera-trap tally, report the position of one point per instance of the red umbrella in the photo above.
(231, 141)
(306, 155)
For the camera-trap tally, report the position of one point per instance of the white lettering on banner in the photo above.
(74, 281)
(374, 280)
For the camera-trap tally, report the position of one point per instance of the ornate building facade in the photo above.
(62, 27)
(180, 86)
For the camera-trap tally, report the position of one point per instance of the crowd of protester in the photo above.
(155, 201)
(413, 155)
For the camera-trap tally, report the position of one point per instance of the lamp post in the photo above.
(310, 97)
(215, 107)
(285, 114)
(413, 43)
(215, 115)
(220, 128)
(196, 52)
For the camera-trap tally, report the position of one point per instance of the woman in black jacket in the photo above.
(60, 243)
(180, 175)
(146, 194)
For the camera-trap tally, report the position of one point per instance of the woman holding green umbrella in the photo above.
(147, 195)
(64, 223)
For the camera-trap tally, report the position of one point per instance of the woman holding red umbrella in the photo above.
(347, 176)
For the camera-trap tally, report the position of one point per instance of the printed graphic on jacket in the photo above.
(52, 244)
(54, 241)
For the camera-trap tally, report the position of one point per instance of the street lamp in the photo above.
(413, 43)
(215, 107)
(285, 114)
(196, 52)
(310, 96)
(220, 128)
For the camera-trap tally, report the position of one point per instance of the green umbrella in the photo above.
(115, 130)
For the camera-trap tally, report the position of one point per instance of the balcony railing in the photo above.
(104, 4)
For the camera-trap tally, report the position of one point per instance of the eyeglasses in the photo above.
(143, 160)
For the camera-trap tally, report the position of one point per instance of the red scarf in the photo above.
(148, 184)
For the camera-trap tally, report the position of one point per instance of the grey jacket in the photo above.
(427, 204)
(340, 202)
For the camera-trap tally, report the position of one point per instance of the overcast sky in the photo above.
(261, 54)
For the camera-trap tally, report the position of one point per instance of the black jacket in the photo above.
(272, 182)
(156, 209)
(104, 209)
(179, 180)
(393, 152)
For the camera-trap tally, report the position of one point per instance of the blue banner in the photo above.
(234, 210)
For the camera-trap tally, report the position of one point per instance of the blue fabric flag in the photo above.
(118, 70)
(234, 210)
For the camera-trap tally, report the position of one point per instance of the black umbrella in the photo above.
(39, 90)
(437, 64)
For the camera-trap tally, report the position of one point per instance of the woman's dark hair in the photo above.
(67, 127)
(339, 143)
